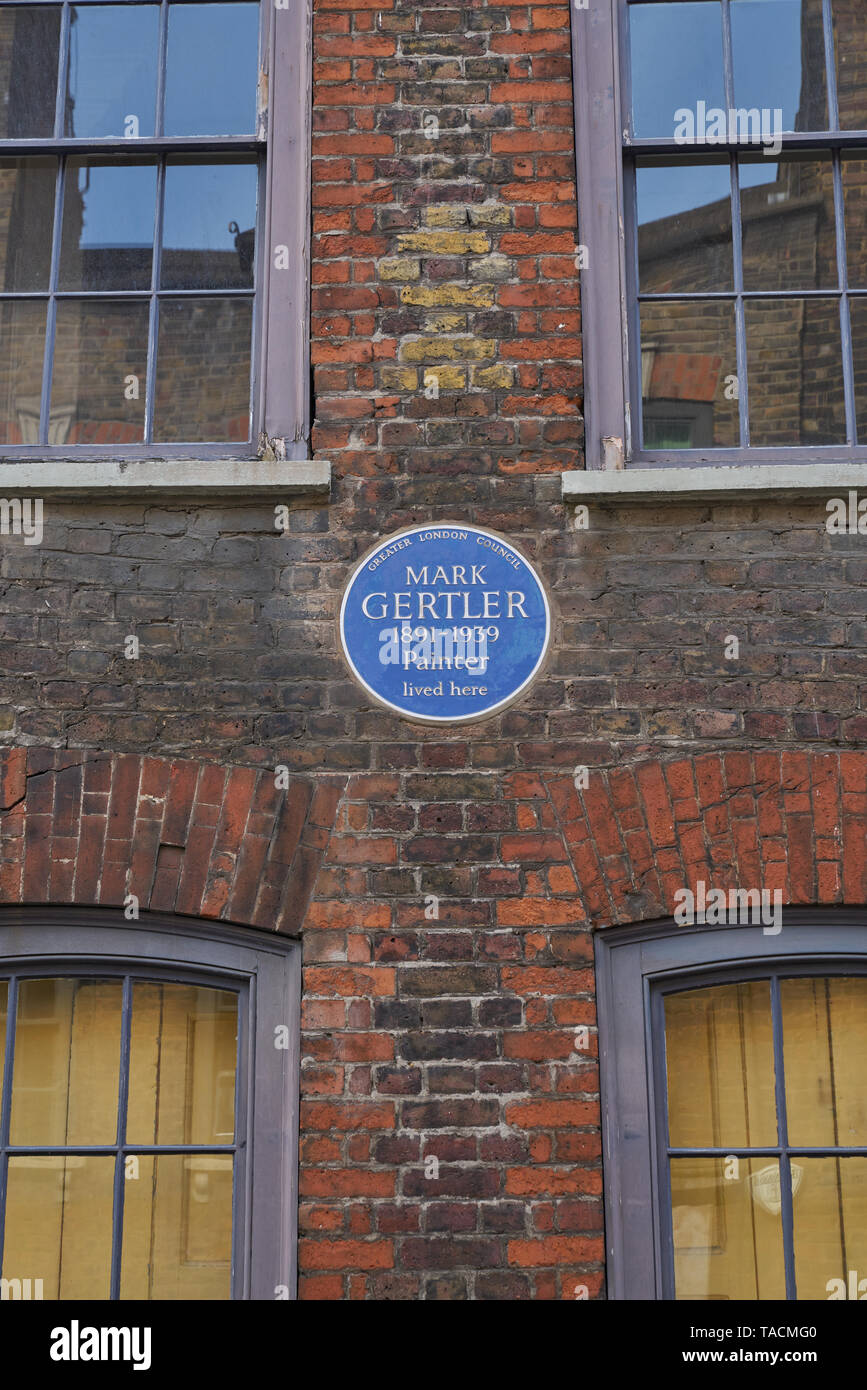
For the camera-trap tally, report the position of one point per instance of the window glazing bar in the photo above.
(62, 77)
(6, 1100)
(140, 295)
(119, 1165)
(744, 294)
(786, 1205)
(145, 144)
(97, 1150)
(818, 140)
(51, 314)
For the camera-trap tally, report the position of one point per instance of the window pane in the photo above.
(793, 79)
(22, 351)
(794, 360)
(58, 1223)
(29, 50)
(823, 1040)
(688, 359)
(67, 1053)
(100, 365)
(209, 224)
(112, 83)
(830, 1215)
(850, 46)
(787, 212)
(177, 1227)
(182, 1065)
(684, 227)
(728, 1239)
(720, 1058)
(858, 322)
(26, 215)
(855, 203)
(203, 370)
(677, 61)
(212, 69)
(108, 225)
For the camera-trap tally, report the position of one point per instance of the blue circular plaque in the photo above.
(444, 623)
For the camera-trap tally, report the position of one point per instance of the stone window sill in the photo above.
(165, 479)
(697, 484)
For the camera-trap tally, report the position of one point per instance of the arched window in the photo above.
(148, 1112)
(732, 1068)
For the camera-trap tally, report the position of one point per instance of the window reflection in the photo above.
(676, 55)
(216, 93)
(112, 79)
(29, 54)
(108, 225)
(209, 224)
(793, 81)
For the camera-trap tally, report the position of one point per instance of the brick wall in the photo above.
(447, 945)
(444, 242)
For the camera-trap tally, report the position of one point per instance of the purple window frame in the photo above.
(611, 356)
(280, 354)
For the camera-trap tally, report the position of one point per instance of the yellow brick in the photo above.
(399, 268)
(447, 378)
(480, 347)
(421, 349)
(476, 296)
(499, 375)
(490, 215)
(399, 378)
(452, 349)
(447, 215)
(444, 243)
(445, 323)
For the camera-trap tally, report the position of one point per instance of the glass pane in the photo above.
(209, 224)
(177, 1227)
(67, 1054)
(108, 225)
(855, 204)
(858, 322)
(26, 217)
(677, 61)
(183, 1053)
(212, 69)
(850, 46)
(689, 374)
(684, 227)
(830, 1217)
(100, 365)
(59, 1222)
(22, 351)
(29, 50)
(794, 360)
(720, 1057)
(112, 83)
(824, 1031)
(728, 1238)
(787, 212)
(792, 83)
(203, 370)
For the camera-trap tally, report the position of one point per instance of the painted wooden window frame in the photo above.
(280, 362)
(635, 966)
(611, 360)
(266, 970)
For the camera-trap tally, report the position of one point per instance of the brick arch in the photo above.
(794, 821)
(195, 838)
